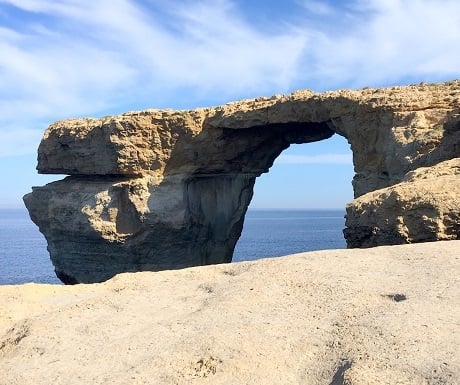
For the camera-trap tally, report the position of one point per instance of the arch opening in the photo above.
(299, 205)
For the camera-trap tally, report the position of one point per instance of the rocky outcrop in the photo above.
(155, 190)
(424, 207)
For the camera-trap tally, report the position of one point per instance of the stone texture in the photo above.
(424, 207)
(97, 227)
(382, 316)
(157, 189)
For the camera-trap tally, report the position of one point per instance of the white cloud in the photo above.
(207, 45)
(92, 56)
(85, 58)
(315, 159)
(386, 41)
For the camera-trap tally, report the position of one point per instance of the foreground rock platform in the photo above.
(386, 315)
(153, 190)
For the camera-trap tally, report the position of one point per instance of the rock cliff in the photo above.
(156, 190)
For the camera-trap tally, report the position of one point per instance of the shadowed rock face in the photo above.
(155, 190)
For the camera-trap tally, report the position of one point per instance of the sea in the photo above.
(266, 233)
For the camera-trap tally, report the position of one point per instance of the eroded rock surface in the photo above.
(382, 316)
(424, 207)
(157, 189)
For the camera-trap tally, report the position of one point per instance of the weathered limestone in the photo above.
(168, 189)
(98, 227)
(424, 207)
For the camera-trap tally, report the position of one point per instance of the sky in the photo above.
(75, 58)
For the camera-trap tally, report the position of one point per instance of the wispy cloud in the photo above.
(316, 7)
(315, 159)
(65, 58)
(380, 42)
(80, 58)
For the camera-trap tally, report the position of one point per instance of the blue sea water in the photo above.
(273, 233)
(266, 233)
(23, 253)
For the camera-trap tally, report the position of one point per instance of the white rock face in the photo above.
(157, 189)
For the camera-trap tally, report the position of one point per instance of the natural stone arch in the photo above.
(299, 205)
(155, 190)
(307, 176)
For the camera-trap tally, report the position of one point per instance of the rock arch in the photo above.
(155, 189)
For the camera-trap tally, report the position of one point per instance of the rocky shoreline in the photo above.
(384, 315)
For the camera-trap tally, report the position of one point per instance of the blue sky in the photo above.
(71, 58)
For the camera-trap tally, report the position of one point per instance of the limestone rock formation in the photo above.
(155, 190)
(424, 207)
